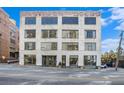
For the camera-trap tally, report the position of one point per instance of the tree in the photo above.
(109, 57)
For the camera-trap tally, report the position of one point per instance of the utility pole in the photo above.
(119, 51)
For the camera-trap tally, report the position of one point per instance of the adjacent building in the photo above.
(9, 37)
(48, 38)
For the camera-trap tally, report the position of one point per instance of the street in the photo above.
(14, 74)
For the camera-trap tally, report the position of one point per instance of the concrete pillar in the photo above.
(80, 61)
(98, 63)
(67, 61)
(38, 44)
(21, 58)
(21, 39)
(38, 59)
(59, 59)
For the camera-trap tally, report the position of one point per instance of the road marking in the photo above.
(100, 82)
(79, 75)
(24, 83)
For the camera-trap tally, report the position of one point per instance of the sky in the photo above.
(112, 20)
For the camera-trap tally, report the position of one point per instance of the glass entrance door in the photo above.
(49, 61)
(90, 61)
(73, 60)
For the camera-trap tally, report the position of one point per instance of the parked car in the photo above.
(12, 60)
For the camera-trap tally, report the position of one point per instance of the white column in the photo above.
(80, 60)
(38, 43)
(21, 58)
(98, 63)
(67, 61)
(59, 41)
(38, 59)
(59, 59)
(21, 43)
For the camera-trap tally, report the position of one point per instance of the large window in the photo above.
(69, 20)
(90, 20)
(30, 20)
(12, 41)
(70, 33)
(29, 45)
(48, 46)
(70, 46)
(12, 34)
(49, 33)
(73, 60)
(90, 34)
(89, 46)
(29, 59)
(90, 60)
(30, 33)
(49, 20)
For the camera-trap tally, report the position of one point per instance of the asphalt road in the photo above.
(13, 74)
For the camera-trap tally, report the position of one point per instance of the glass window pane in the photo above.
(90, 20)
(70, 33)
(90, 60)
(49, 20)
(44, 33)
(90, 46)
(69, 20)
(49, 33)
(52, 34)
(29, 59)
(70, 45)
(48, 46)
(30, 33)
(30, 20)
(90, 33)
(29, 45)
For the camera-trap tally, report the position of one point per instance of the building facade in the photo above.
(9, 36)
(50, 38)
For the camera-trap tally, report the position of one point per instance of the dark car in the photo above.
(12, 60)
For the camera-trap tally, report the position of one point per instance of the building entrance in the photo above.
(73, 60)
(90, 61)
(49, 61)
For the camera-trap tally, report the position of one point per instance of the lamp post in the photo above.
(119, 49)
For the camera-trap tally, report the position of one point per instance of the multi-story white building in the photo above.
(48, 38)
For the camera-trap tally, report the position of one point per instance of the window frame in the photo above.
(72, 23)
(26, 30)
(53, 22)
(89, 22)
(30, 21)
(49, 33)
(88, 36)
(91, 46)
(33, 48)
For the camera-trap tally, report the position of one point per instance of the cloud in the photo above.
(109, 44)
(106, 21)
(103, 21)
(120, 27)
(118, 15)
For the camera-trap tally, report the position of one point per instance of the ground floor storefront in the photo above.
(86, 61)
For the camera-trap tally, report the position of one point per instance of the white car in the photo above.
(104, 66)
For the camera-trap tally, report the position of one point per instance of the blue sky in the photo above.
(112, 21)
